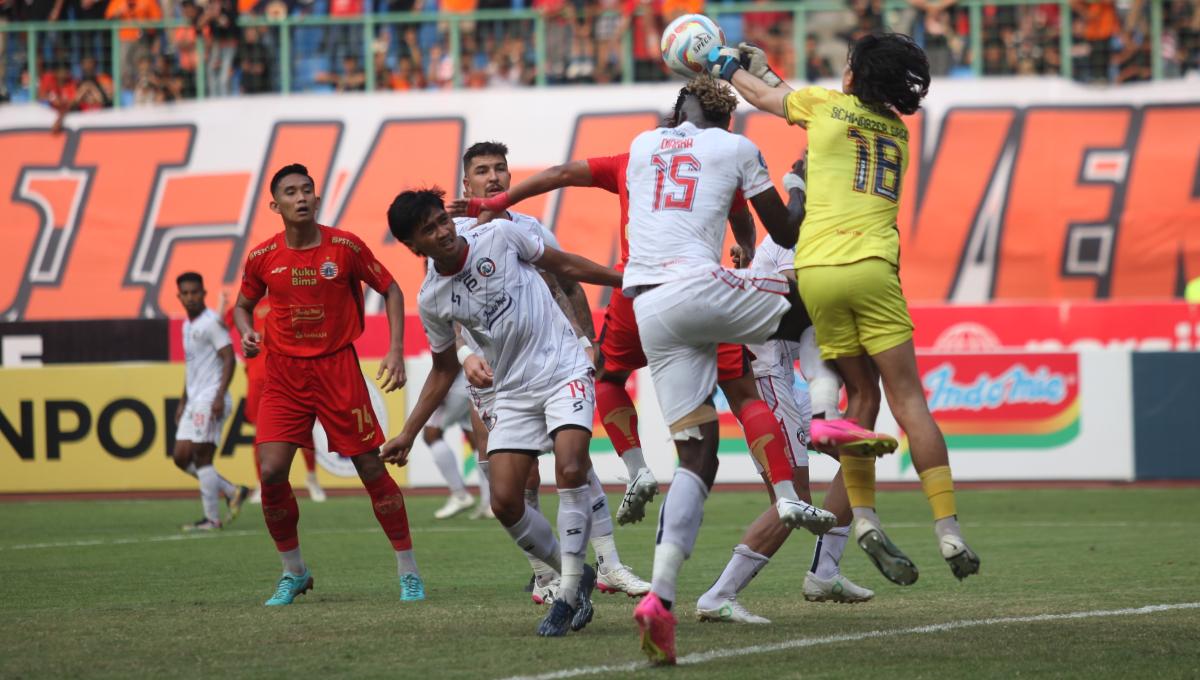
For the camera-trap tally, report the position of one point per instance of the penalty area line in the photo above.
(717, 654)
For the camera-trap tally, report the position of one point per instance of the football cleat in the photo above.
(545, 594)
(201, 525)
(621, 579)
(837, 589)
(657, 626)
(315, 492)
(640, 491)
(962, 560)
(456, 503)
(849, 437)
(255, 496)
(796, 514)
(483, 511)
(235, 503)
(557, 620)
(888, 559)
(583, 607)
(289, 587)
(412, 588)
(729, 611)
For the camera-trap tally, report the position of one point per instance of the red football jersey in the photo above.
(608, 173)
(316, 293)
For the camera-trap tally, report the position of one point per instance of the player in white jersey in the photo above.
(486, 174)
(454, 410)
(681, 184)
(775, 376)
(205, 404)
(485, 281)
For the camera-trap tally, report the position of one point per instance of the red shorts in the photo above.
(332, 387)
(621, 345)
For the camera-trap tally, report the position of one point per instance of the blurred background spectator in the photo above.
(585, 42)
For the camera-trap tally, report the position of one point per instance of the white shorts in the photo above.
(455, 409)
(682, 322)
(523, 421)
(794, 413)
(197, 424)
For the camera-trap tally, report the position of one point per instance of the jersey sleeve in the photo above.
(218, 335)
(525, 239)
(753, 169)
(606, 172)
(799, 105)
(253, 286)
(439, 330)
(368, 269)
(778, 258)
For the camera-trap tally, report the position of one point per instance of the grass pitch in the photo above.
(110, 589)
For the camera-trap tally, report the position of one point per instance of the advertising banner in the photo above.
(1017, 190)
(111, 427)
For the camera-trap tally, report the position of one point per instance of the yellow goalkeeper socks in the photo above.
(939, 489)
(858, 474)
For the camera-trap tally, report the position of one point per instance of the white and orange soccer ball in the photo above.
(687, 40)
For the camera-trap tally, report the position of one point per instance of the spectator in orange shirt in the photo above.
(136, 43)
(1100, 24)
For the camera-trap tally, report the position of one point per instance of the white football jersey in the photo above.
(774, 357)
(681, 184)
(203, 337)
(504, 308)
(468, 223)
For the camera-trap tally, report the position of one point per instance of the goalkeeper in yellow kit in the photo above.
(848, 260)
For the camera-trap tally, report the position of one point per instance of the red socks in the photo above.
(618, 416)
(282, 515)
(388, 503)
(766, 440)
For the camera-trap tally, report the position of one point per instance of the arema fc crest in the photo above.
(329, 270)
(485, 267)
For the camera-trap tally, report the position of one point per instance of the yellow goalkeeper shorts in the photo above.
(856, 307)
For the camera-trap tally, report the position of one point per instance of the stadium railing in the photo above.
(972, 38)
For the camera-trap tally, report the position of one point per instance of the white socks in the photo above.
(678, 525)
(602, 527)
(532, 499)
(191, 469)
(785, 489)
(210, 492)
(634, 461)
(574, 526)
(293, 563)
(447, 464)
(947, 525)
(533, 535)
(867, 514)
(743, 566)
(406, 563)
(827, 554)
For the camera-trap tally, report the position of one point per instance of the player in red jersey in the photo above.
(621, 348)
(314, 275)
(255, 372)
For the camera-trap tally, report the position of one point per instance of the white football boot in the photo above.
(837, 589)
(456, 503)
(729, 611)
(640, 491)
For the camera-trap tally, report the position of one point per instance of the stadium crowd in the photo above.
(1110, 42)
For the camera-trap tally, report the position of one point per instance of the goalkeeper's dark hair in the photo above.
(411, 208)
(716, 98)
(185, 277)
(891, 73)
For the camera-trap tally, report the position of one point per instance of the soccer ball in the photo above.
(686, 42)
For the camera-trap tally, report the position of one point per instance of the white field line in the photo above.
(487, 526)
(715, 654)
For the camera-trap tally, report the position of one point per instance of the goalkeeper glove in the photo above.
(754, 60)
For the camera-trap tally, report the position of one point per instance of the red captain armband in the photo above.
(494, 204)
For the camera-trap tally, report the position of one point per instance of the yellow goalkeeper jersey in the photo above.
(856, 162)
